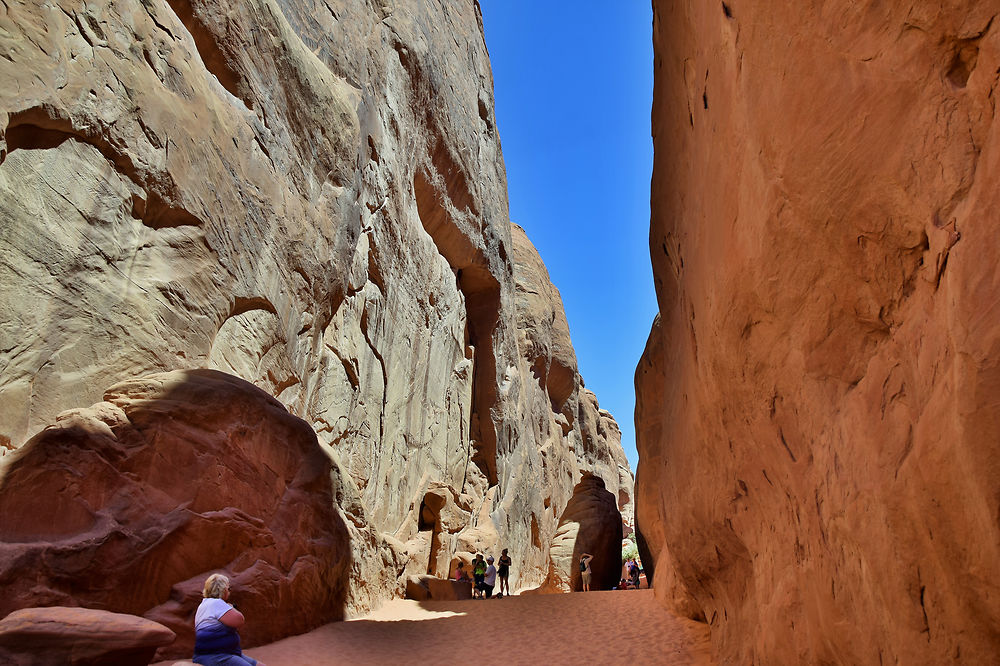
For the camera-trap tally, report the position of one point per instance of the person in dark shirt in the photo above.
(503, 573)
(478, 574)
(585, 572)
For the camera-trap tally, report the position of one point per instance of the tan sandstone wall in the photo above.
(818, 431)
(309, 195)
(569, 437)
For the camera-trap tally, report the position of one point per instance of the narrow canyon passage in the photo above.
(626, 627)
(269, 308)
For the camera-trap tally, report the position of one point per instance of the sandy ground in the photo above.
(622, 627)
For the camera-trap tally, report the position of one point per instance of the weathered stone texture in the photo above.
(591, 524)
(129, 504)
(816, 418)
(568, 435)
(310, 196)
(79, 637)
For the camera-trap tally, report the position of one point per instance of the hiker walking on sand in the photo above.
(504, 573)
(585, 571)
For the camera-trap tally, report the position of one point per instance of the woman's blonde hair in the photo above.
(215, 586)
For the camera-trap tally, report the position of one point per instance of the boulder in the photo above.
(430, 588)
(417, 588)
(174, 477)
(79, 637)
(590, 524)
(816, 407)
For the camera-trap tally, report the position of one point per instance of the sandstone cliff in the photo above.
(309, 196)
(569, 434)
(128, 503)
(817, 419)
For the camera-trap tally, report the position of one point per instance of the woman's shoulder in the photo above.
(213, 602)
(213, 608)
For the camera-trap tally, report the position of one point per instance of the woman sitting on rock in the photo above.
(216, 641)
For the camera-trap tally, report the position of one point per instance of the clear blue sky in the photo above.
(574, 87)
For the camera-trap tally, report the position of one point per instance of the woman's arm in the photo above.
(232, 618)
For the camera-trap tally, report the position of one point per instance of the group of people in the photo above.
(217, 641)
(485, 575)
(631, 581)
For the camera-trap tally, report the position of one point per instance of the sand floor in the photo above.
(621, 627)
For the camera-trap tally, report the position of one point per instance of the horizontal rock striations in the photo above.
(816, 417)
(309, 196)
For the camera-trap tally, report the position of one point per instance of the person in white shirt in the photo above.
(490, 580)
(216, 639)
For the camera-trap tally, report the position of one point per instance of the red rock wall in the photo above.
(128, 505)
(817, 420)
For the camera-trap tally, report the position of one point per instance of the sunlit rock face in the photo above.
(309, 196)
(571, 439)
(817, 426)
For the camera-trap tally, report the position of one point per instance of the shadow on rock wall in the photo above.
(591, 523)
(130, 504)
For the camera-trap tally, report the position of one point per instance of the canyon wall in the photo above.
(308, 195)
(568, 433)
(817, 422)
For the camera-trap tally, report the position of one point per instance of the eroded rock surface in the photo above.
(590, 524)
(130, 504)
(79, 637)
(309, 195)
(568, 435)
(816, 418)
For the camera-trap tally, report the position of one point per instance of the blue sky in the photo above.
(574, 87)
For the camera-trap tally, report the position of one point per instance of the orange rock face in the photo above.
(130, 504)
(817, 421)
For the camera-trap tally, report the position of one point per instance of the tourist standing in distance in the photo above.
(633, 572)
(490, 578)
(504, 573)
(478, 573)
(216, 639)
(585, 571)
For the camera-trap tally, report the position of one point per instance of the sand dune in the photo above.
(626, 627)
